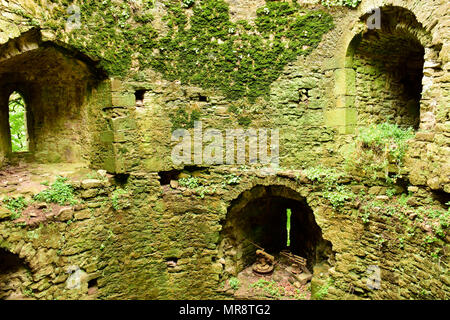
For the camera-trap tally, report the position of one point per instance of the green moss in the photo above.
(119, 199)
(214, 52)
(207, 49)
(181, 119)
(244, 121)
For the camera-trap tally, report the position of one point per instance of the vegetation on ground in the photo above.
(15, 205)
(59, 192)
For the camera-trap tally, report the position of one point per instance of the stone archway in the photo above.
(60, 87)
(259, 215)
(389, 60)
(15, 276)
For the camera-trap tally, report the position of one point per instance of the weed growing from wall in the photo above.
(379, 151)
(344, 3)
(338, 194)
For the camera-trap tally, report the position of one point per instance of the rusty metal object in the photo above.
(264, 262)
(294, 258)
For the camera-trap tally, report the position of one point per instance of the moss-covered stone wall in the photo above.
(136, 234)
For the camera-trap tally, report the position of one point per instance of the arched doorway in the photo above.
(258, 217)
(385, 72)
(15, 277)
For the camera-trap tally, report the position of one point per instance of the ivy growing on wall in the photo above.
(204, 47)
(240, 59)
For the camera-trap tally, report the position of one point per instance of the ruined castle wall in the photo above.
(131, 249)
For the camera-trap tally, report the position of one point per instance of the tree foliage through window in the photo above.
(17, 123)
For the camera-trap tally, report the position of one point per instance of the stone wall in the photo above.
(133, 237)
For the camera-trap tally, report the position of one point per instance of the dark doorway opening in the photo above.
(259, 216)
(14, 275)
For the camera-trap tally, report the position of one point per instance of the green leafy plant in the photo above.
(189, 182)
(338, 194)
(323, 291)
(187, 3)
(380, 150)
(234, 283)
(344, 3)
(28, 292)
(59, 192)
(15, 205)
(271, 288)
(232, 179)
(390, 192)
(370, 207)
(321, 174)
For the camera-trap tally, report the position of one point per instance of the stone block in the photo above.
(4, 213)
(123, 100)
(425, 136)
(345, 82)
(82, 215)
(116, 85)
(91, 183)
(65, 214)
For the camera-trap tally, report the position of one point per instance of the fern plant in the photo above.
(59, 192)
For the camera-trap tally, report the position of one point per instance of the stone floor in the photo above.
(282, 284)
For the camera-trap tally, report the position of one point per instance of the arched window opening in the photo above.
(384, 71)
(18, 123)
(392, 66)
(47, 93)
